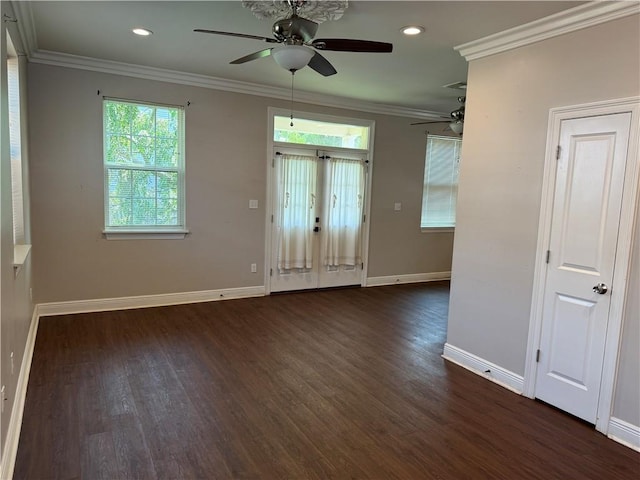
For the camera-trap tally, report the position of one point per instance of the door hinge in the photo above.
(558, 150)
(271, 274)
(271, 218)
(548, 256)
(538, 356)
(273, 162)
(364, 219)
(362, 265)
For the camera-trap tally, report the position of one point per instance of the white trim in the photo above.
(407, 278)
(484, 368)
(145, 234)
(623, 252)
(145, 301)
(26, 26)
(577, 18)
(15, 421)
(625, 433)
(46, 57)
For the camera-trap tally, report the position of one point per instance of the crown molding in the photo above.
(172, 76)
(582, 16)
(26, 26)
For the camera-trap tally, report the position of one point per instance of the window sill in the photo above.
(141, 234)
(20, 254)
(437, 229)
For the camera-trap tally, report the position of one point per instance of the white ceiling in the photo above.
(412, 76)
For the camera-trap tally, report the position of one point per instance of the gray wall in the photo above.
(508, 104)
(226, 141)
(16, 308)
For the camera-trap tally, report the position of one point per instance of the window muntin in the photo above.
(144, 166)
(440, 182)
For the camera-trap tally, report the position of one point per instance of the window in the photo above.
(321, 133)
(440, 183)
(20, 247)
(144, 168)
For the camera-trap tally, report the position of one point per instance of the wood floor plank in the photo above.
(334, 384)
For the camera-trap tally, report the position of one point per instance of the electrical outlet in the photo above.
(254, 268)
(397, 206)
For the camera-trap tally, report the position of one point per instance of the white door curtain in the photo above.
(344, 206)
(297, 209)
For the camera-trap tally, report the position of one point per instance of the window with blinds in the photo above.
(440, 182)
(144, 166)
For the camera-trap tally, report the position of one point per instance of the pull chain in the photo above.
(293, 72)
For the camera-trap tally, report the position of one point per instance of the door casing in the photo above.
(623, 254)
(271, 112)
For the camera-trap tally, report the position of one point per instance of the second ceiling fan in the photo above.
(297, 47)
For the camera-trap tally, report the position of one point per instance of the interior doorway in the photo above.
(590, 185)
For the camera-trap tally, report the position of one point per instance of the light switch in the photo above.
(253, 204)
(397, 206)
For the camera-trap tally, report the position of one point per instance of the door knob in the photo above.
(600, 288)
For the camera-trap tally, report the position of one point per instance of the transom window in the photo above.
(321, 133)
(144, 166)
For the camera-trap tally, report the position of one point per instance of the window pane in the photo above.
(119, 212)
(166, 152)
(326, 134)
(118, 149)
(144, 211)
(167, 213)
(142, 150)
(119, 183)
(167, 185)
(167, 123)
(144, 184)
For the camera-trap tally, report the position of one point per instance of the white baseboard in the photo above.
(625, 433)
(144, 301)
(15, 421)
(409, 278)
(495, 373)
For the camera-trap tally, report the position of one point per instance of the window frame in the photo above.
(133, 232)
(436, 228)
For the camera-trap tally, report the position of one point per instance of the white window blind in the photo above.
(144, 166)
(15, 146)
(440, 182)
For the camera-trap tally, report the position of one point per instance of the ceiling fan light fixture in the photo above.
(412, 30)
(456, 127)
(292, 57)
(143, 32)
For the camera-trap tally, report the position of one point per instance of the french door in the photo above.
(317, 218)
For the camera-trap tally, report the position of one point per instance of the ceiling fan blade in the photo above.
(351, 45)
(241, 35)
(254, 56)
(322, 65)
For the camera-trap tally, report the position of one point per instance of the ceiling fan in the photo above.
(296, 46)
(455, 120)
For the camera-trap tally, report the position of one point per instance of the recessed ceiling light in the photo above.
(142, 32)
(412, 30)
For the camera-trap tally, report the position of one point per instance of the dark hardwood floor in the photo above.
(329, 384)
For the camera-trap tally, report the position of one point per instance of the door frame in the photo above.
(271, 113)
(623, 251)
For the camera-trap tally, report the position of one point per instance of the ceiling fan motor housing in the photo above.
(294, 30)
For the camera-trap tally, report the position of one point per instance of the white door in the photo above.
(318, 206)
(582, 248)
